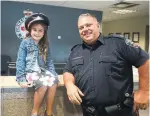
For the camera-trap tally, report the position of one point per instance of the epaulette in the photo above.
(76, 46)
(116, 36)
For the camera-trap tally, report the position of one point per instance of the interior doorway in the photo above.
(147, 39)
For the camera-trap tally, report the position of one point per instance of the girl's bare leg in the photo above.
(50, 99)
(38, 97)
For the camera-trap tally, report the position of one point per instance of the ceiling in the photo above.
(99, 5)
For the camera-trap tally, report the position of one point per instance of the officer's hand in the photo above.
(74, 94)
(141, 99)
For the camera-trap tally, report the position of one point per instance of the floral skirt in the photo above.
(45, 78)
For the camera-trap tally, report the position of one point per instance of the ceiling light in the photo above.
(123, 11)
(123, 5)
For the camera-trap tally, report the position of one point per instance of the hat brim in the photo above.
(31, 20)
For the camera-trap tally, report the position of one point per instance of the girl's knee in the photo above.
(53, 87)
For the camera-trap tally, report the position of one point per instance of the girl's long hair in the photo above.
(43, 43)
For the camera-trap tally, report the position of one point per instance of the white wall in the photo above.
(136, 24)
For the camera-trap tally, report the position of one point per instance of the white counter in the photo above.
(10, 82)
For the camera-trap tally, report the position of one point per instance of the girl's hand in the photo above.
(23, 84)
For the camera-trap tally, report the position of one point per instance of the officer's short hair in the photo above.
(88, 14)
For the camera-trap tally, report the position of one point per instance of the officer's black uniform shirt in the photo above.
(103, 71)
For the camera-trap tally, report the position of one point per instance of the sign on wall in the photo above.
(20, 26)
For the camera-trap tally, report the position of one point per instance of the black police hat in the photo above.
(36, 17)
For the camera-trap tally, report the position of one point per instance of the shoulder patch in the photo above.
(75, 46)
(131, 43)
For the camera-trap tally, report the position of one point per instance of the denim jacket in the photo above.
(27, 60)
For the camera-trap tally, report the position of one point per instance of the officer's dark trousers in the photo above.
(102, 112)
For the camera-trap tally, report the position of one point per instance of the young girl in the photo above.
(34, 66)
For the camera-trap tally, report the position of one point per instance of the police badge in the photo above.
(20, 27)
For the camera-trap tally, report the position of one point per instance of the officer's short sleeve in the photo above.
(68, 67)
(133, 53)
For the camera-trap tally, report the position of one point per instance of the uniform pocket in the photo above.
(77, 61)
(106, 62)
(77, 65)
(108, 59)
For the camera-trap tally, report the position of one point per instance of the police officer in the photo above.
(98, 74)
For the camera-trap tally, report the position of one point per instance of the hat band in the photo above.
(36, 19)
